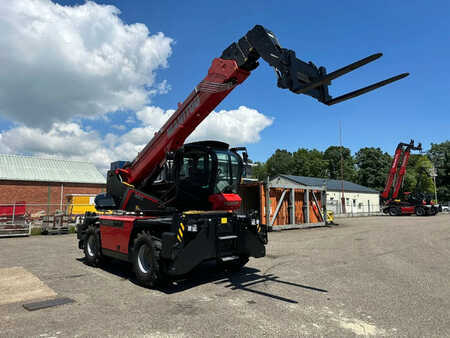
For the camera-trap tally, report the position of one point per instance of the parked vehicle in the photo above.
(416, 203)
(176, 203)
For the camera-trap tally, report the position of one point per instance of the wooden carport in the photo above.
(289, 205)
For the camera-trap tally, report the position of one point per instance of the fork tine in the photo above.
(337, 73)
(365, 89)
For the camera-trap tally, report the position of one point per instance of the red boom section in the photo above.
(403, 151)
(401, 172)
(392, 171)
(223, 76)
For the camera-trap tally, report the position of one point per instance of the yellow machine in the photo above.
(330, 216)
(78, 204)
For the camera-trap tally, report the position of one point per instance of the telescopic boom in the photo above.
(402, 152)
(225, 73)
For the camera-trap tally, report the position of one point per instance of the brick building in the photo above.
(44, 183)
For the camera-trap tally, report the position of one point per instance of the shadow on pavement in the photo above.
(209, 272)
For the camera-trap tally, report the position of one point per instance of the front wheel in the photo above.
(92, 246)
(146, 260)
(420, 211)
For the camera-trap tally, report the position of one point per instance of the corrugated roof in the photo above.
(28, 168)
(334, 185)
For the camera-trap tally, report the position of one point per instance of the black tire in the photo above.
(146, 259)
(235, 265)
(92, 246)
(394, 211)
(420, 211)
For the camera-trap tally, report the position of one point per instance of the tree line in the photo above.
(368, 167)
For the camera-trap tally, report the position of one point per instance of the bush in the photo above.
(36, 231)
(72, 230)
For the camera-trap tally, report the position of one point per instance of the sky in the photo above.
(93, 81)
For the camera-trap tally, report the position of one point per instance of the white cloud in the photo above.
(58, 62)
(154, 116)
(61, 65)
(62, 140)
(119, 127)
(70, 141)
(236, 127)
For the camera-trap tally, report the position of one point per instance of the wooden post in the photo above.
(307, 220)
(292, 206)
(280, 202)
(318, 206)
(267, 188)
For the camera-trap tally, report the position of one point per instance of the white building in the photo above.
(358, 199)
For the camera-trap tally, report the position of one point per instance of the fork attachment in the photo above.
(294, 74)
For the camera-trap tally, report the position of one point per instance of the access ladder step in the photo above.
(229, 258)
(223, 238)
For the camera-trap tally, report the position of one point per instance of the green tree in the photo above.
(333, 157)
(410, 180)
(417, 178)
(424, 180)
(372, 167)
(309, 163)
(259, 171)
(281, 162)
(439, 155)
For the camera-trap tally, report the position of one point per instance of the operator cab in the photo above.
(207, 176)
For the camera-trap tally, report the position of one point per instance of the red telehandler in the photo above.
(175, 205)
(413, 203)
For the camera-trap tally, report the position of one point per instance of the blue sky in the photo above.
(413, 36)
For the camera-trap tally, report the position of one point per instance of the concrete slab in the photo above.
(17, 284)
(47, 303)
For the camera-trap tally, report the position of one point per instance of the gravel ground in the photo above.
(381, 276)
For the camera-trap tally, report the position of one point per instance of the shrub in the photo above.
(36, 231)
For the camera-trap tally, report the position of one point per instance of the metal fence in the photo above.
(353, 209)
(19, 219)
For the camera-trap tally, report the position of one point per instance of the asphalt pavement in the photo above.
(368, 276)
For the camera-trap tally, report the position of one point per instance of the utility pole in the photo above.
(342, 169)
(433, 174)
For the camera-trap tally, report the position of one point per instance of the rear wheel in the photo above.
(146, 259)
(420, 211)
(394, 211)
(92, 246)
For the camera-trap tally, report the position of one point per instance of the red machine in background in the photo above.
(175, 204)
(16, 210)
(412, 203)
